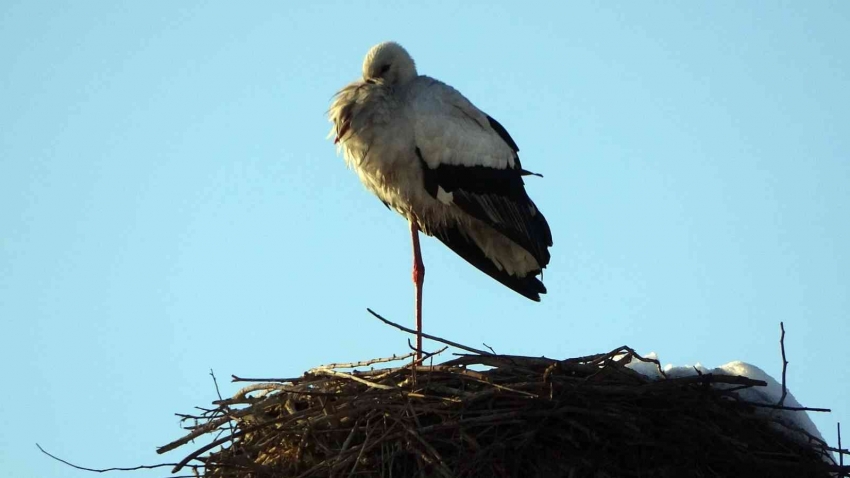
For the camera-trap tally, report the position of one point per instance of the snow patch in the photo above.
(770, 395)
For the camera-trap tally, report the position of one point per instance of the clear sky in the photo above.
(169, 202)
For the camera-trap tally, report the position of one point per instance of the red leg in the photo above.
(418, 279)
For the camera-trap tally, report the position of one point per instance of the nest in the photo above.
(488, 415)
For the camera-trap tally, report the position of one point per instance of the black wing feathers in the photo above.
(498, 198)
(503, 133)
(429, 176)
(528, 286)
(512, 217)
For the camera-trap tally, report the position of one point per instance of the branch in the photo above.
(364, 363)
(334, 373)
(234, 378)
(215, 382)
(784, 364)
(790, 409)
(103, 470)
(707, 378)
(429, 337)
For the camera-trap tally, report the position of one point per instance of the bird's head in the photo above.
(390, 63)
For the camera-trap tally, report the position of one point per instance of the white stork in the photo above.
(450, 169)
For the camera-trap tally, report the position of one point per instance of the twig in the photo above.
(223, 408)
(334, 373)
(412, 347)
(266, 387)
(525, 364)
(478, 377)
(364, 445)
(362, 449)
(104, 470)
(383, 373)
(435, 459)
(428, 355)
(364, 363)
(194, 455)
(790, 409)
(234, 378)
(784, 364)
(348, 439)
(215, 382)
(707, 378)
(206, 428)
(427, 336)
(840, 451)
(632, 355)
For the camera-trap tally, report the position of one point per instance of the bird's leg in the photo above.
(418, 279)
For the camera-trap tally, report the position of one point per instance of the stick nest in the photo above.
(487, 415)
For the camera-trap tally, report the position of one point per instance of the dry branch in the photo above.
(784, 364)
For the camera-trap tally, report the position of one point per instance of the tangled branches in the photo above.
(487, 415)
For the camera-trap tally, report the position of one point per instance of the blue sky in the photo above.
(170, 204)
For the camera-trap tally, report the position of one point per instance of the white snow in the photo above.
(793, 420)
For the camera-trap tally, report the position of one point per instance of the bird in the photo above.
(446, 166)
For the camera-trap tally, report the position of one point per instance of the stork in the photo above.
(450, 169)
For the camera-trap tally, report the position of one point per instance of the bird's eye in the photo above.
(385, 68)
